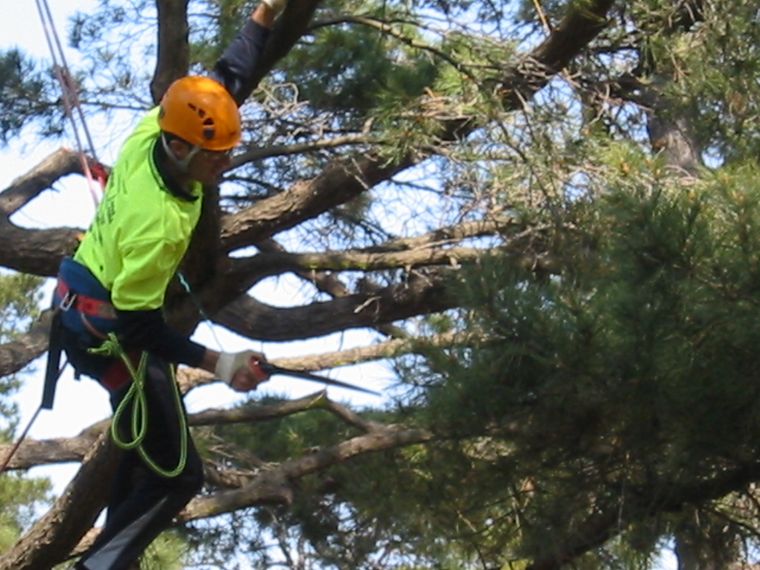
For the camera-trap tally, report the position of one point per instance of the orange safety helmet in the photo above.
(202, 112)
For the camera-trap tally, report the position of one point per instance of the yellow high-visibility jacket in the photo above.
(141, 230)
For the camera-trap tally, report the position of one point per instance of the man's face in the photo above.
(207, 166)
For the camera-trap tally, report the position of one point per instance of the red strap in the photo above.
(116, 376)
(100, 173)
(86, 305)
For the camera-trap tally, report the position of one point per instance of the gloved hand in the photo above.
(276, 6)
(230, 363)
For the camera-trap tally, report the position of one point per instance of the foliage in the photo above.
(20, 298)
(167, 552)
(21, 86)
(336, 520)
(364, 68)
(605, 399)
(630, 375)
(19, 305)
(20, 496)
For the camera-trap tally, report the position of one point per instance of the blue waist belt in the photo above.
(84, 303)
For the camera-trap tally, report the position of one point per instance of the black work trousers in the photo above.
(143, 503)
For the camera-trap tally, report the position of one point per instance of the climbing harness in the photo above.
(85, 309)
(81, 310)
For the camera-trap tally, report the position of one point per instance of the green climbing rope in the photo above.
(139, 421)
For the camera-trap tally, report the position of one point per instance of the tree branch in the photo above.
(27, 187)
(16, 354)
(253, 319)
(337, 184)
(52, 538)
(173, 52)
(274, 484)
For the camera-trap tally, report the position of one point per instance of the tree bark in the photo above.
(173, 56)
(54, 536)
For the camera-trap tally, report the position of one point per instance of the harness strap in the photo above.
(117, 376)
(89, 306)
(53, 368)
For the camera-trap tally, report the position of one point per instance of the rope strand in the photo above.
(139, 420)
(70, 98)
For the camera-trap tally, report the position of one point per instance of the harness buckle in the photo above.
(67, 301)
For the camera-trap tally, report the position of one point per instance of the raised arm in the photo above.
(235, 68)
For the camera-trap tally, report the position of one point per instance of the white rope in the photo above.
(71, 101)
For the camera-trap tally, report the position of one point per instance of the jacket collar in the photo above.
(160, 161)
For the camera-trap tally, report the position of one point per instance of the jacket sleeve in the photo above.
(235, 68)
(138, 294)
(147, 330)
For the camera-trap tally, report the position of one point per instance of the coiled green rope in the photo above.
(139, 421)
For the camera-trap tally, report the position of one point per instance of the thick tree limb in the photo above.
(38, 252)
(326, 283)
(582, 23)
(17, 354)
(329, 283)
(372, 259)
(640, 504)
(339, 183)
(36, 452)
(258, 320)
(27, 187)
(173, 56)
(60, 529)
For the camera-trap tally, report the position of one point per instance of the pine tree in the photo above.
(20, 496)
(543, 211)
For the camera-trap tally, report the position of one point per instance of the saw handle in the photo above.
(261, 370)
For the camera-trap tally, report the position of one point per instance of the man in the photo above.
(116, 283)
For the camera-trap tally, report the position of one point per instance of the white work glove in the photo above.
(231, 362)
(276, 6)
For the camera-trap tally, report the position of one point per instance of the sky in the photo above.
(79, 404)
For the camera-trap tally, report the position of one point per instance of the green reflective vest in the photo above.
(141, 230)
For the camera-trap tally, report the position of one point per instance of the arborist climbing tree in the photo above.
(109, 296)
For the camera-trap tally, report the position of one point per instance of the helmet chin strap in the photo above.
(181, 164)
